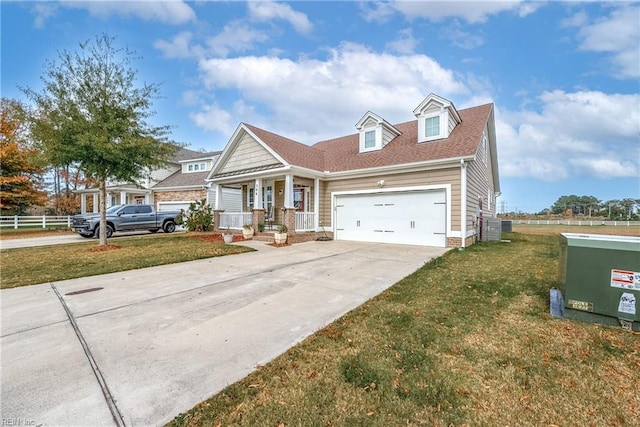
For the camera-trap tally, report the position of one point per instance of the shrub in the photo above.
(199, 216)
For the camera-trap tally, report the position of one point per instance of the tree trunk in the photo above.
(103, 213)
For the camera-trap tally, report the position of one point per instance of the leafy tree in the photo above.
(90, 113)
(576, 204)
(21, 169)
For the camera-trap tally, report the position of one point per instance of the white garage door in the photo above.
(408, 217)
(173, 206)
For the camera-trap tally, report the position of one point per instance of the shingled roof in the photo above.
(293, 152)
(342, 154)
(179, 179)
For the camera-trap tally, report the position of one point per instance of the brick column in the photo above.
(290, 220)
(216, 219)
(258, 218)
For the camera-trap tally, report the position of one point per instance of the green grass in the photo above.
(465, 340)
(28, 266)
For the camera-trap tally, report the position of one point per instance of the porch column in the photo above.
(316, 204)
(288, 192)
(146, 199)
(257, 194)
(257, 218)
(108, 199)
(290, 220)
(83, 203)
(216, 219)
(123, 198)
(96, 205)
(217, 190)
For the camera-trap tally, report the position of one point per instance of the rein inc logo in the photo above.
(625, 279)
(17, 422)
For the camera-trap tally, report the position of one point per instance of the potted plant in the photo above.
(247, 231)
(280, 235)
(227, 236)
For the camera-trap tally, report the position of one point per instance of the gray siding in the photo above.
(480, 185)
(247, 154)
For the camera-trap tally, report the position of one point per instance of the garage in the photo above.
(173, 206)
(406, 217)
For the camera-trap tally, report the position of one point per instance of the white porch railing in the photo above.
(305, 221)
(42, 221)
(235, 220)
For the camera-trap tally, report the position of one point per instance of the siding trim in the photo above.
(402, 168)
(463, 202)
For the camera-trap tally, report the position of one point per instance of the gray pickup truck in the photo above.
(126, 218)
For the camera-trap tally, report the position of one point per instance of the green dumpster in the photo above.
(599, 278)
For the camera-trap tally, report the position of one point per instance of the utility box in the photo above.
(491, 229)
(600, 278)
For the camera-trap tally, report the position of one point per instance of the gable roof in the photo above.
(292, 152)
(342, 154)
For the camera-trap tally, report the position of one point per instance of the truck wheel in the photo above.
(169, 227)
(109, 231)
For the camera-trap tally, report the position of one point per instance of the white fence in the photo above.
(235, 220)
(574, 222)
(42, 221)
(305, 221)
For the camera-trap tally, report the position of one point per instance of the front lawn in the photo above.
(43, 264)
(466, 340)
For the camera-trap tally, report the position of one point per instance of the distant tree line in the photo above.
(590, 206)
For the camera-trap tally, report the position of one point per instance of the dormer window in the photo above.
(436, 118)
(369, 139)
(196, 167)
(432, 127)
(375, 132)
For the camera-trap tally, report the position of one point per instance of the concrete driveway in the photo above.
(152, 343)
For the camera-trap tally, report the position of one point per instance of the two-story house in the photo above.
(173, 187)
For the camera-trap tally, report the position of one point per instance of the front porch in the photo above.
(271, 201)
(116, 195)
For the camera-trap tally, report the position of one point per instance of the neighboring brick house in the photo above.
(426, 182)
(173, 187)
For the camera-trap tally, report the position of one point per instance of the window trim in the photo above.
(377, 141)
(443, 126)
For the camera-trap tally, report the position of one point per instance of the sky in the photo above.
(564, 77)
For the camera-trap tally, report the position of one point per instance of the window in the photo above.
(432, 126)
(196, 167)
(370, 139)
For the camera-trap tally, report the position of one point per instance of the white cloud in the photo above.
(376, 11)
(405, 43)
(213, 118)
(472, 11)
(338, 89)
(166, 11)
(235, 37)
(463, 39)
(43, 11)
(583, 133)
(269, 10)
(617, 34)
(179, 47)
